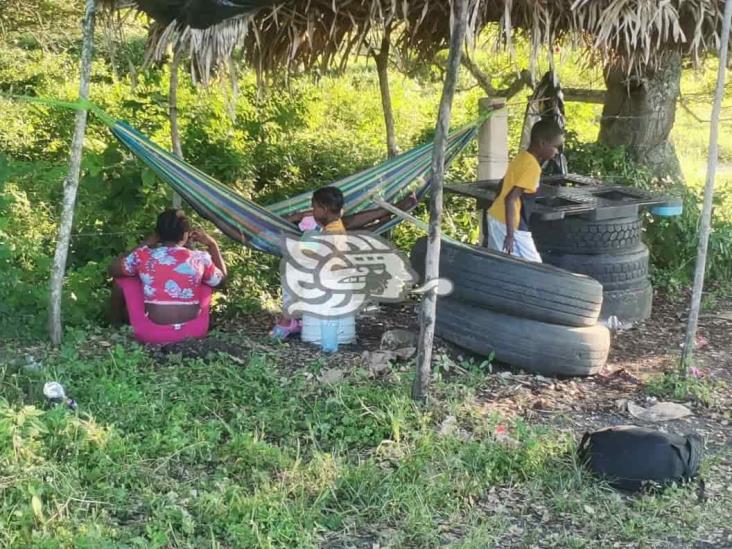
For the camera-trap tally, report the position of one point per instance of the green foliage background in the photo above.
(266, 142)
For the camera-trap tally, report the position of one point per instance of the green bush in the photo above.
(266, 143)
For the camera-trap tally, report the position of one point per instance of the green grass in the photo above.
(192, 453)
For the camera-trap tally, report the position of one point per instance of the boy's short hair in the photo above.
(545, 130)
(331, 198)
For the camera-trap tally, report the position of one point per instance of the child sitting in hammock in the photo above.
(327, 217)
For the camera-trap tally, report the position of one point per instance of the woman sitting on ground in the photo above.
(170, 272)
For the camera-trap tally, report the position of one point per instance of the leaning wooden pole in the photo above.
(173, 116)
(706, 215)
(71, 183)
(432, 261)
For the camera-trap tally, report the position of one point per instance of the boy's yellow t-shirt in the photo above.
(335, 227)
(523, 171)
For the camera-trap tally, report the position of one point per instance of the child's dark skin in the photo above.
(542, 151)
(360, 220)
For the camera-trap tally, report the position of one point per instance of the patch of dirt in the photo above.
(648, 349)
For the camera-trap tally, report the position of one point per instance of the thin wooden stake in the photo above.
(382, 69)
(71, 183)
(432, 261)
(173, 116)
(706, 215)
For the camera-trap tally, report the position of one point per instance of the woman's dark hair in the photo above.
(546, 129)
(331, 198)
(172, 225)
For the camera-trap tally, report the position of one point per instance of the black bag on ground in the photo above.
(630, 458)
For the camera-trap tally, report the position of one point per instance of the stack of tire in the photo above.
(533, 316)
(611, 252)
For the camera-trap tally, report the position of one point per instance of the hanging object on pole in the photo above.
(547, 102)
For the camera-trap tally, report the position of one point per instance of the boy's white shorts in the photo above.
(523, 242)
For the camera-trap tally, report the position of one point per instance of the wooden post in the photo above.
(706, 216)
(492, 149)
(173, 116)
(382, 69)
(432, 261)
(71, 183)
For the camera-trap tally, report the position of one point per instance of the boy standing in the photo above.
(508, 224)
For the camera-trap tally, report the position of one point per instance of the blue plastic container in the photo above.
(329, 335)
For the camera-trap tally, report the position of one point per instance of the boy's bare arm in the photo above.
(297, 216)
(513, 197)
(362, 219)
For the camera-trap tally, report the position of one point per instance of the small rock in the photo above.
(405, 353)
(621, 404)
(31, 364)
(398, 339)
(378, 361)
(506, 440)
(331, 377)
(663, 411)
(449, 426)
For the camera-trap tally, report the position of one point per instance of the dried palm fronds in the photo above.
(307, 33)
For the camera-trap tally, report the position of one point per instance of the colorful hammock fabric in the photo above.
(264, 228)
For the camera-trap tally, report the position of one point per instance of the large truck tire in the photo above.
(547, 349)
(505, 284)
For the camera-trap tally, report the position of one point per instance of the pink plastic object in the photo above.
(308, 223)
(147, 331)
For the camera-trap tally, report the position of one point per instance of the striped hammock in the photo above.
(263, 228)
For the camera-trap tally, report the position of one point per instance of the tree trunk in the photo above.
(71, 183)
(639, 113)
(173, 116)
(432, 261)
(706, 216)
(382, 66)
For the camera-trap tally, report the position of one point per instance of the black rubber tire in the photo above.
(509, 285)
(547, 349)
(575, 235)
(628, 306)
(618, 271)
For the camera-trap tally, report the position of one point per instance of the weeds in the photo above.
(197, 453)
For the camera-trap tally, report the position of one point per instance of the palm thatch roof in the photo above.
(275, 35)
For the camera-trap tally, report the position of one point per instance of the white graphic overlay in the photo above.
(336, 275)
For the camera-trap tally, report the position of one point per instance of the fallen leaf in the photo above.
(37, 507)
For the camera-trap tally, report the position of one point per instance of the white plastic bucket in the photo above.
(311, 329)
